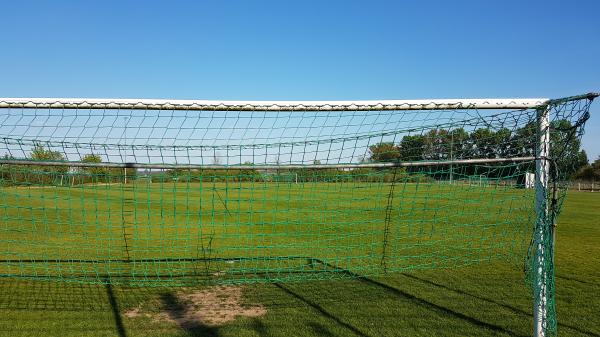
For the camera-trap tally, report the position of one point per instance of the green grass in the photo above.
(151, 231)
(486, 297)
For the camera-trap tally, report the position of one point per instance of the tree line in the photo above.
(60, 175)
(589, 172)
(569, 161)
(454, 144)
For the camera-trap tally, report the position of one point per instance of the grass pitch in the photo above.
(487, 298)
(172, 233)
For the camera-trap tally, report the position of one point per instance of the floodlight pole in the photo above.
(540, 272)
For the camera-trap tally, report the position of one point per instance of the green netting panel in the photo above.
(183, 197)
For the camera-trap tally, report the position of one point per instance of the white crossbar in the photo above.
(375, 105)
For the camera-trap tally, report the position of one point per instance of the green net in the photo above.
(147, 194)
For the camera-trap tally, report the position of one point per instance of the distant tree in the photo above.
(384, 152)
(566, 149)
(46, 174)
(484, 143)
(523, 141)
(435, 145)
(91, 173)
(411, 147)
(6, 174)
(457, 140)
(39, 153)
(176, 172)
(589, 172)
(443, 144)
(92, 158)
(95, 159)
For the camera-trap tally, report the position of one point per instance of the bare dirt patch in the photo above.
(212, 306)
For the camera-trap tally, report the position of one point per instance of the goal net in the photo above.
(147, 192)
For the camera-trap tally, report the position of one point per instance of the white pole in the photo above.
(542, 172)
(451, 156)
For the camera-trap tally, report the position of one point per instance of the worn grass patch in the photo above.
(190, 308)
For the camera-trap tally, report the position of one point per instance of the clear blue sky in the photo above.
(302, 50)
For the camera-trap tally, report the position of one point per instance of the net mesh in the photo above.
(182, 197)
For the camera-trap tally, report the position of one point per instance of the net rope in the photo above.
(160, 197)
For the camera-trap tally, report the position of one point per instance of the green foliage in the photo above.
(589, 171)
(411, 147)
(39, 153)
(566, 149)
(443, 144)
(100, 174)
(62, 175)
(384, 152)
(94, 173)
(210, 175)
(44, 175)
(91, 158)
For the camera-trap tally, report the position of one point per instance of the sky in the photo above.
(303, 50)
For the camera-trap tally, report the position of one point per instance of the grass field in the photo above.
(487, 295)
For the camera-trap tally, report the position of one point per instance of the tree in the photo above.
(92, 158)
(46, 174)
(443, 144)
(6, 171)
(95, 173)
(566, 150)
(457, 140)
(484, 143)
(39, 153)
(411, 147)
(384, 152)
(589, 172)
(435, 145)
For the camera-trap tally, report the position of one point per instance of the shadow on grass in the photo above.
(176, 311)
(115, 310)
(428, 304)
(568, 278)
(438, 308)
(43, 295)
(259, 327)
(61, 296)
(503, 305)
(322, 311)
(320, 329)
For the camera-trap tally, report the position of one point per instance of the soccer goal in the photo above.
(177, 192)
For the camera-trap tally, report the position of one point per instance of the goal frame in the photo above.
(543, 224)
